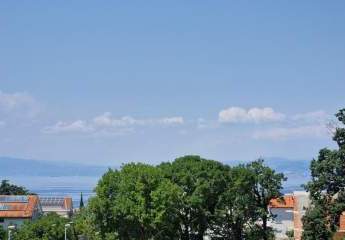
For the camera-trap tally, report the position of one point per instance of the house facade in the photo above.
(283, 222)
(301, 203)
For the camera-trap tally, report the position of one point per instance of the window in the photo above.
(2, 220)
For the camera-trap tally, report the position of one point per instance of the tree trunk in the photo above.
(264, 228)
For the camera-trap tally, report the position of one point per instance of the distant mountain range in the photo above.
(27, 167)
(297, 171)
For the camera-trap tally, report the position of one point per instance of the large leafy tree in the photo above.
(136, 202)
(9, 189)
(187, 199)
(236, 211)
(202, 182)
(267, 186)
(327, 188)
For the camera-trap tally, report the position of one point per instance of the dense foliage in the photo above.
(326, 188)
(2, 233)
(9, 189)
(201, 182)
(46, 228)
(187, 199)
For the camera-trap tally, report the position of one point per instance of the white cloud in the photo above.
(319, 116)
(302, 125)
(106, 123)
(73, 127)
(284, 133)
(256, 115)
(18, 104)
(172, 120)
(106, 120)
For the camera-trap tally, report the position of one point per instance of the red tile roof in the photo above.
(19, 209)
(285, 202)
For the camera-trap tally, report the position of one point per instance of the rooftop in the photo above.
(285, 202)
(17, 206)
(63, 203)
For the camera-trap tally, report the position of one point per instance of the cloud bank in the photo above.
(18, 102)
(17, 109)
(106, 123)
(252, 115)
(301, 125)
(285, 133)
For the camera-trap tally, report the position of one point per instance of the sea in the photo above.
(73, 186)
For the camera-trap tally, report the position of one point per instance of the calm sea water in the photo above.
(59, 186)
(74, 185)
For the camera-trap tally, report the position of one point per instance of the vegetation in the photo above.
(267, 185)
(136, 203)
(326, 188)
(81, 203)
(48, 227)
(2, 233)
(186, 199)
(9, 189)
(200, 183)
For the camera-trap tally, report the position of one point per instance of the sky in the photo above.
(109, 82)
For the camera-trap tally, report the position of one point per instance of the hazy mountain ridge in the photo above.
(27, 167)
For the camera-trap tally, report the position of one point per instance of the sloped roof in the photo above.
(285, 202)
(18, 206)
(63, 203)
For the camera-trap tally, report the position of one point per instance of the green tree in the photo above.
(9, 189)
(83, 225)
(2, 233)
(81, 203)
(326, 188)
(236, 213)
(202, 182)
(315, 222)
(136, 202)
(267, 186)
(49, 227)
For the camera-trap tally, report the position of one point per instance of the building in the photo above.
(283, 222)
(301, 203)
(14, 210)
(63, 206)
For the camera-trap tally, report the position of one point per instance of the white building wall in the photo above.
(283, 222)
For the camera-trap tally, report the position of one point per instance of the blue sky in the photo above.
(110, 82)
